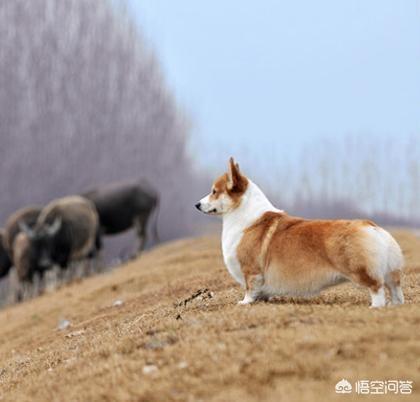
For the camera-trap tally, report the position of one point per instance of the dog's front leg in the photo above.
(248, 298)
(254, 284)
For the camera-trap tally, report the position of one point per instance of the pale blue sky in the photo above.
(258, 75)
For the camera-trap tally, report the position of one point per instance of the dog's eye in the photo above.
(213, 191)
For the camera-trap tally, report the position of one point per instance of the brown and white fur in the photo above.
(271, 253)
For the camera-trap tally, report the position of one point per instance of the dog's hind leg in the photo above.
(254, 284)
(364, 277)
(393, 283)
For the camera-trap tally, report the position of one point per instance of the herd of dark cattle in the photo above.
(36, 239)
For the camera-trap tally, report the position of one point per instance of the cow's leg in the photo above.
(59, 276)
(23, 290)
(141, 226)
(140, 234)
(24, 284)
(19, 293)
(95, 260)
(63, 261)
(98, 262)
(41, 282)
(35, 291)
(88, 266)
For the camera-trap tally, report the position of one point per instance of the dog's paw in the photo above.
(375, 307)
(246, 300)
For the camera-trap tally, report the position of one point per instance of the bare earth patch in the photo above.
(166, 327)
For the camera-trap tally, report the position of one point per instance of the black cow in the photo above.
(5, 261)
(124, 205)
(66, 230)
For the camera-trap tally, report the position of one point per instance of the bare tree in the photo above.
(83, 102)
(358, 177)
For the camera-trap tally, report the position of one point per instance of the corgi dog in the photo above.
(271, 253)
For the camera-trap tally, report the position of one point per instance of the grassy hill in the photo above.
(176, 333)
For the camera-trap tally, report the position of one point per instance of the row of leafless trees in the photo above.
(354, 176)
(83, 102)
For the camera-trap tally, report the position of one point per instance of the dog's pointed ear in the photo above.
(230, 173)
(235, 178)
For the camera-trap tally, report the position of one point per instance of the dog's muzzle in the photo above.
(210, 212)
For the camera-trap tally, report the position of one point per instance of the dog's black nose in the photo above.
(198, 205)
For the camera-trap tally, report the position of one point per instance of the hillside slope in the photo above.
(163, 343)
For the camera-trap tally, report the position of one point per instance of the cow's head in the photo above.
(42, 238)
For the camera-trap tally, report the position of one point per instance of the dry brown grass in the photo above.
(209, 349)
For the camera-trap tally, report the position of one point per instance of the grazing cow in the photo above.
(66, 230)
(5, 262)
(24, 260)
(27, 216)
(124, 205)
(19, 249)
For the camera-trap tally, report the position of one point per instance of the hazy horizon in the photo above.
(279, 76)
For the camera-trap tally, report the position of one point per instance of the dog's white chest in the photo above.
(230, 242)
